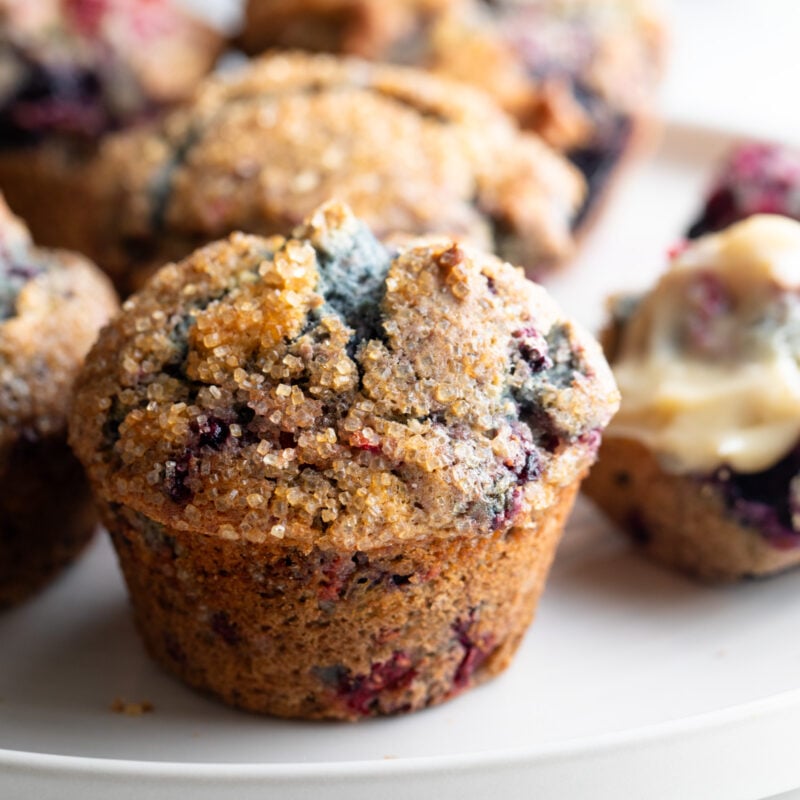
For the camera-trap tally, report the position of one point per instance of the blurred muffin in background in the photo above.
(70, 72)
(258, 150)
(52, 305)
(581, 73)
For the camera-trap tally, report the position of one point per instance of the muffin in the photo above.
(73, 70)
(335, 474)
(260, 150)
(580, 73)
(755, 178)
(702, 464)
(52, 305)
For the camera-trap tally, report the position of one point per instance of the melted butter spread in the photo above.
(707, 363)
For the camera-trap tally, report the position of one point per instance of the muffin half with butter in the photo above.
(335, 475)
(702, 464)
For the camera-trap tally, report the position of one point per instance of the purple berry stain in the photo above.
(213, 433)
(176, 473)
(362, 694)
(224, 628)
(476, 650)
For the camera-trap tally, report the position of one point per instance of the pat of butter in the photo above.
(737, 403)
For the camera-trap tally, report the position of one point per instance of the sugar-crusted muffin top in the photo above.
(707, 361)
(79, 68)
(260, 149)
(52, 304)
(322, 389)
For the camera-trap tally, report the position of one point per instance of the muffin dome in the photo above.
(259, 150)
(317, 389)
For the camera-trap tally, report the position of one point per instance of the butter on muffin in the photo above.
(583, 74)
(52, 305)
(72, 71)
(702, 464)
(335, 475)
(259, 150)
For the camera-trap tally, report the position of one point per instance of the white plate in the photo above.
(632, 683)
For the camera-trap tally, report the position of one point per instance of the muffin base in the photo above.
(46, 516)
(52, 189)
(334, 634)
(677, 520)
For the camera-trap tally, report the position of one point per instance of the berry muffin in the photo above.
(756, 178)
(702, 464)
(580, 73)
(259, 151)
(73, 70)
(335, 474)
(52, 305)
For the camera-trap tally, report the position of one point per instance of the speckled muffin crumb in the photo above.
(335, 474)
(259, 150)
(51, 306)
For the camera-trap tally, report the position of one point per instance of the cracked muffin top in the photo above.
(259, 150)
(325, 390)
(52, 304)
(79, 68)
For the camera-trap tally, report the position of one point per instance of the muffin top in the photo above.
(259, 150)
(707, 362)
(52, 304)
(78, 68)
(322, 389)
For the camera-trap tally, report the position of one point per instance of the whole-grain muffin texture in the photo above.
(52, 305)
(580, 73)
(702, 464)
(259, 150)
(70, 72)
(335, 475)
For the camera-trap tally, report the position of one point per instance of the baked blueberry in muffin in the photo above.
(334, 473)
(52, 305)
(701, 464)
(259, 150)
(756, 178)
(580, 73)
(70, 72)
